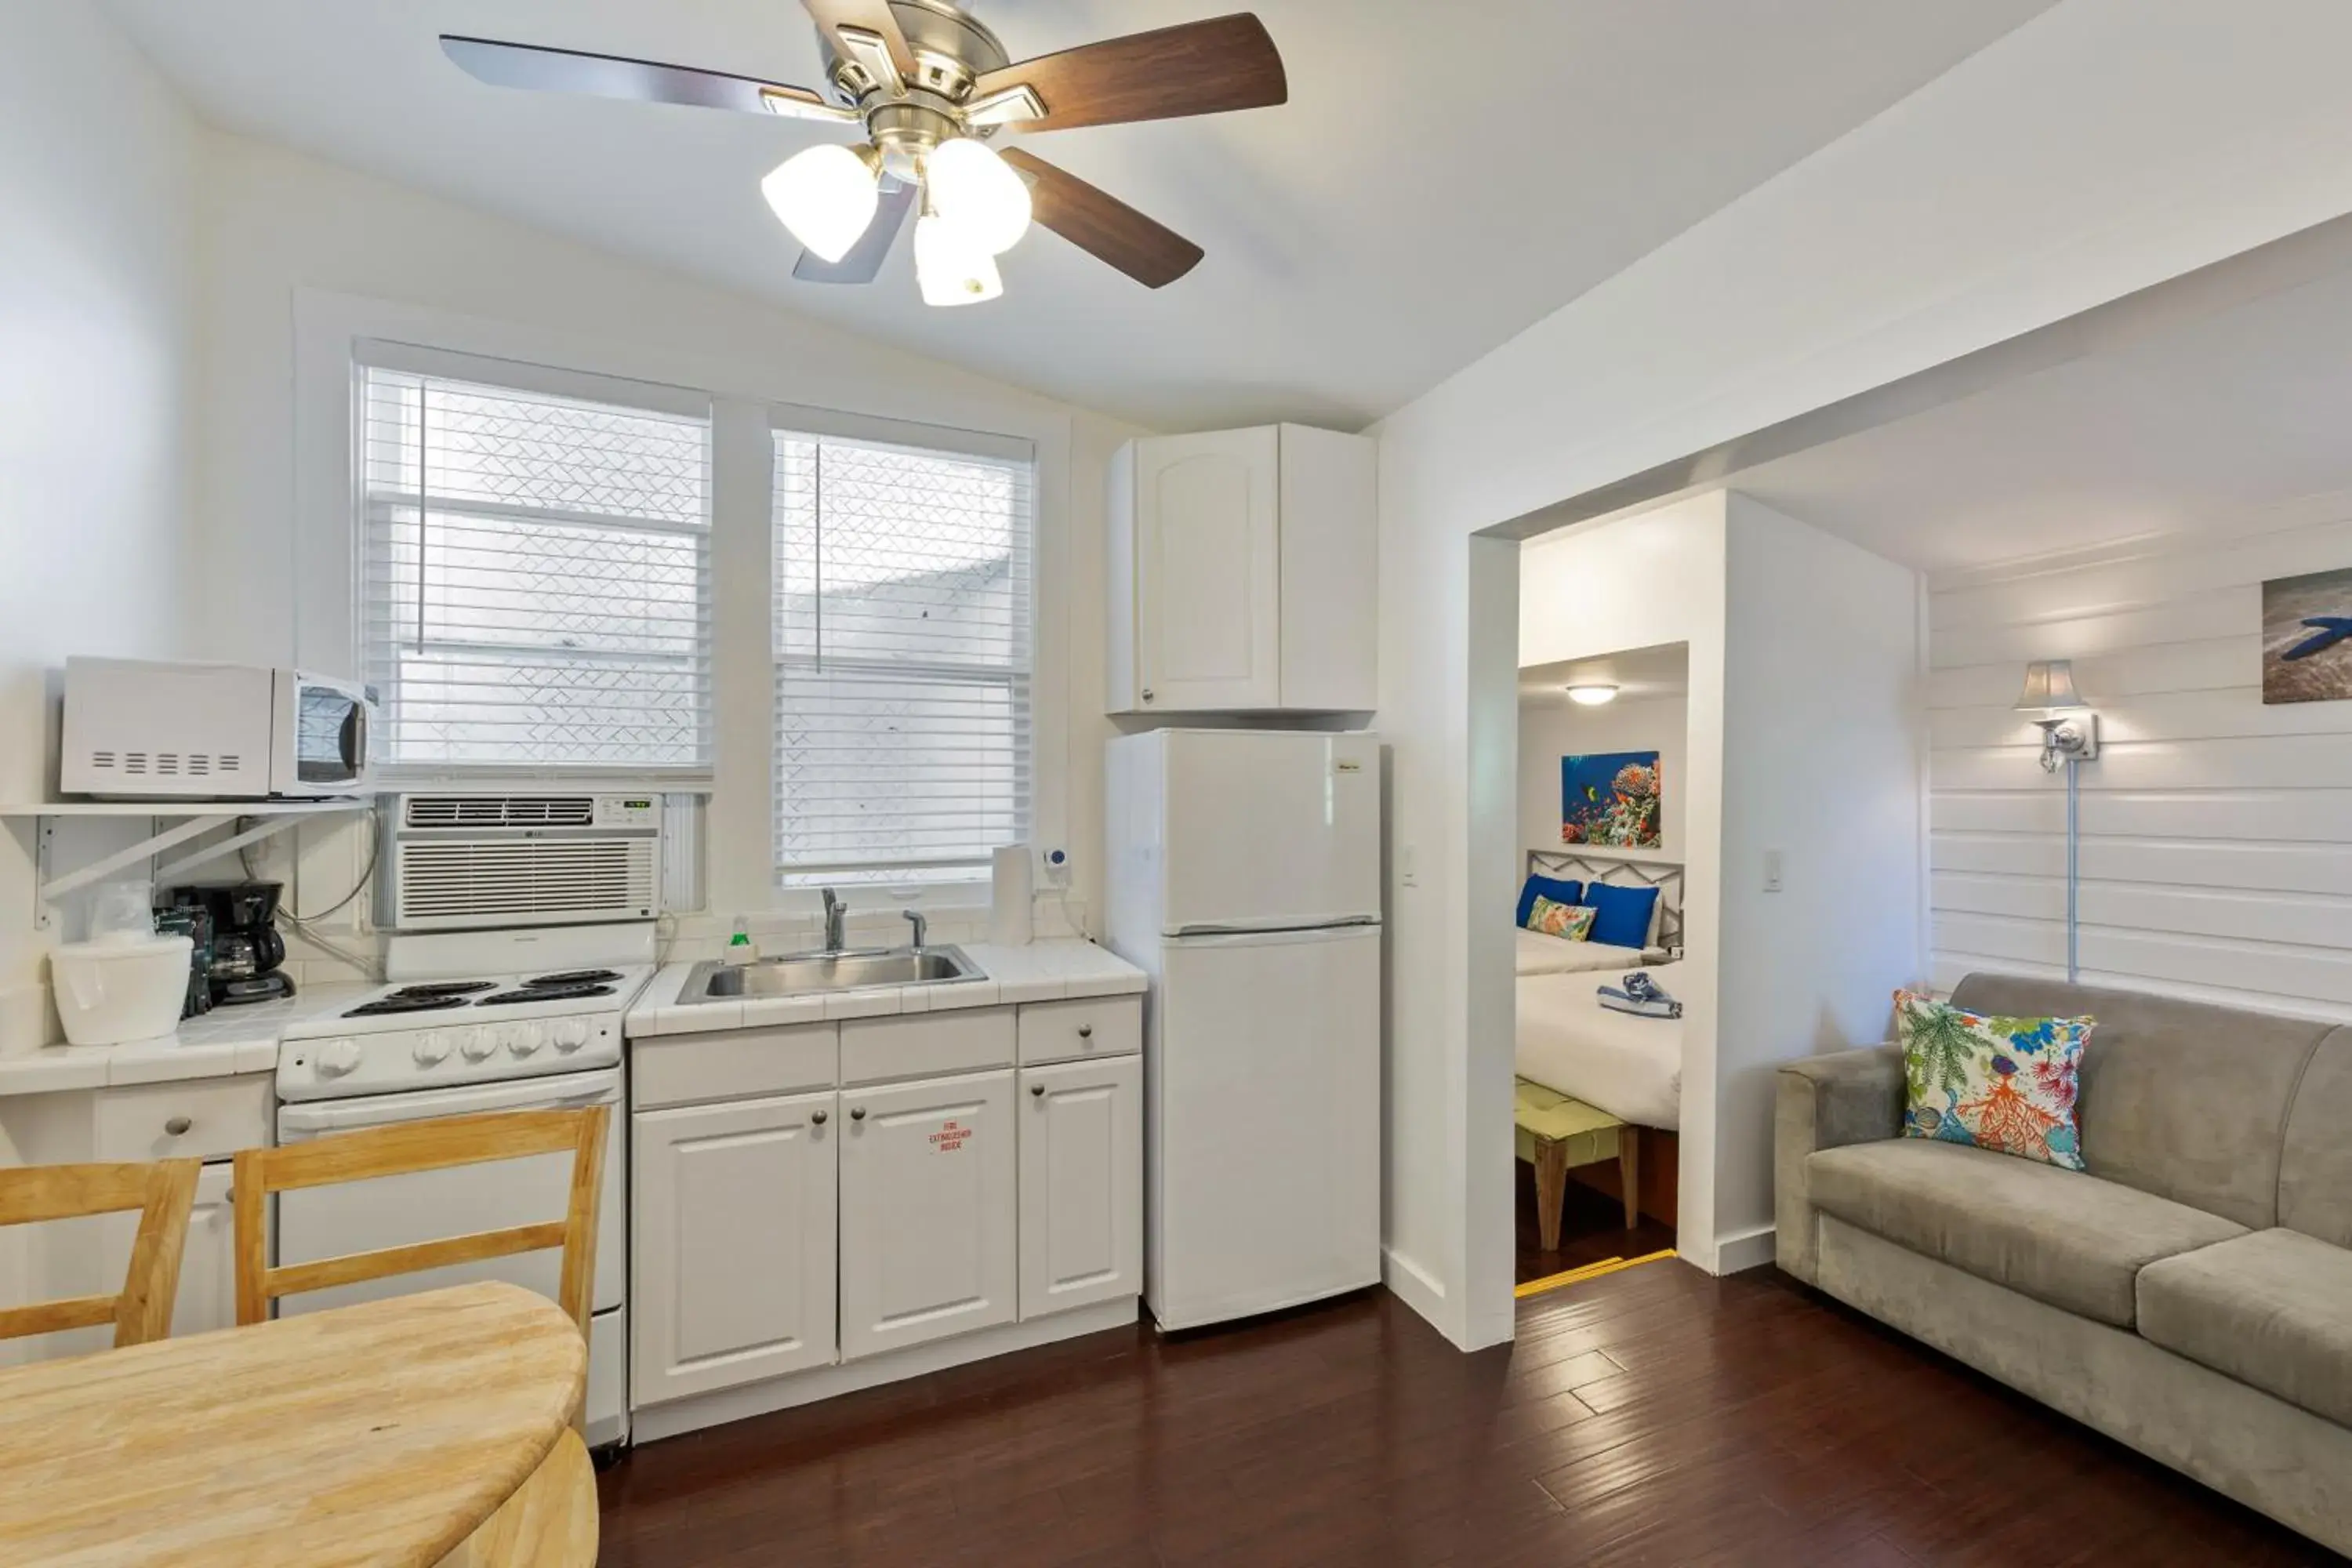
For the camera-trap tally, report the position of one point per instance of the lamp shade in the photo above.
(826, 195)
(951, 267)
(2050, 686)
(1590, 693)
(976, 190)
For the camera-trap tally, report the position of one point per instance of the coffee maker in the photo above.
(246, 949)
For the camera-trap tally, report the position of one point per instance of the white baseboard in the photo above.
(1743, 1250)
(654, 1422)
(1417, 1287)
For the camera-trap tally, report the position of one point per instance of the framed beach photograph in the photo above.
(2307, 638)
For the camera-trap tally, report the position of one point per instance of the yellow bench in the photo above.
(1555, 1134)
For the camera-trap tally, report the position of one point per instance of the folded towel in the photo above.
(1617, 1000)
(1642, 988)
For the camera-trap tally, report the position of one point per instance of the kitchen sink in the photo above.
(810, 974)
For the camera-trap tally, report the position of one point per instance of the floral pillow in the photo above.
(2004, 1084)
(1570, 923)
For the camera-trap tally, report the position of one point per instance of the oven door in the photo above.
(318, 735)
(400, 1211)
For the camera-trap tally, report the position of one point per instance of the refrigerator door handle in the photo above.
(1273, 928)
(1356, 931)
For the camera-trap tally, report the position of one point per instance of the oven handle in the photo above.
(345, 1116)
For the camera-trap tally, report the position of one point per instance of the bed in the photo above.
(1630, 1067)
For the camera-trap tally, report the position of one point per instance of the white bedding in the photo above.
(1630, 1067)
(1541, 954)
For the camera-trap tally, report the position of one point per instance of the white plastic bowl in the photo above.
(121, 987)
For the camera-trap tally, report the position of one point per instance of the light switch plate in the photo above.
(1771, 871)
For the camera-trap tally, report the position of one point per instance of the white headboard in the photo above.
(1584, 864)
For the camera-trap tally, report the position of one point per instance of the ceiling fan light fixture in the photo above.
(826, 195)
(973, 188)
(951, 267)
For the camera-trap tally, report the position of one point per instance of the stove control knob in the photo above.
(571, 1034)
(524, 1038)
(337, 1058)
(476, 1043)
(431, 1050)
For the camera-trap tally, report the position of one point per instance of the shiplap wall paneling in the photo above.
(2216, 855)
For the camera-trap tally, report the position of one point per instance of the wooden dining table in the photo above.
(414, 1431)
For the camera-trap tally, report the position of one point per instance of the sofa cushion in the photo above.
(2178, 1098)
(2315, 1165)
(2273, 1310)
(2075, 1242)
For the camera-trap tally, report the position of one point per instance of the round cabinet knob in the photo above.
(817, 1117)
(177, 1125)
(1038, 1089)
(431, 1050)
(571, 1034)
(524, 1038)
(337, 1058)
(474, 1045)
(857, 1113)
(1147, 694)
(1086, 1031)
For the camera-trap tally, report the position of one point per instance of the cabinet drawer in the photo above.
(925, 1044)
(682, 1069)
(207, 1119)
(1074, 1031)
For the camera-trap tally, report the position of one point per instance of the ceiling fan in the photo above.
(930, 85)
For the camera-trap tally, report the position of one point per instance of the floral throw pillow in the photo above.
(1571, 922)
(2003, 1084)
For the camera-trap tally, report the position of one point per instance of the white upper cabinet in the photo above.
(1244, 573)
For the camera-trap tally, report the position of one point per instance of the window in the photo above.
(903, 645)
(535, 577)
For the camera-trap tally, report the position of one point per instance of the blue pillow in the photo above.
(1552, 887)
(1623, 920)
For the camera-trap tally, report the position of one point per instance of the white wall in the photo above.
(290, 242)
(2216, 833)
(2104, 146)
(1551, 728)
(1823, 766)
(96, 358)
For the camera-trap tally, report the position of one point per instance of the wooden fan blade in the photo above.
(1200, 68)
(867, 15)
(639, 81)
(862, 261)
(1101, 224)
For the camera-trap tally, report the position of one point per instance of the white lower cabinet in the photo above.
(734, 1219)
(207, 1298)
(927, 1211)
(1081, 1183)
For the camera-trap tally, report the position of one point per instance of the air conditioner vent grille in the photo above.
(516, 879)
(499, 811)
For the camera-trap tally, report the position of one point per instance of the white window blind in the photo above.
(535, 578)
(903, 649)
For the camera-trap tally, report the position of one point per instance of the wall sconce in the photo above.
(2070, 730)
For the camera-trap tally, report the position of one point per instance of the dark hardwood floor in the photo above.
(1651, 1416)
(1592, 1227)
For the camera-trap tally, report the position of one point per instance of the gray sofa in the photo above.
(2191, 1295)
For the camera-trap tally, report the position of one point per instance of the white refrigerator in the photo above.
(1243, 872)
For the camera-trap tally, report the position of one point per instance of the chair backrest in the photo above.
(409, 1147)
(163, 1192)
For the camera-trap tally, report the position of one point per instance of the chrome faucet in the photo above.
(916, 917)
(835, 914)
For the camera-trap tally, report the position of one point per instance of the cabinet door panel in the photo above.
(1331, 571)
(734, 1212)
(1208, 569)
(927, 1211)
(1081, 1183)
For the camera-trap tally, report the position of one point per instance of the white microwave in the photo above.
(142, 729)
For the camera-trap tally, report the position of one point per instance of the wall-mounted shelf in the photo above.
(190, 820)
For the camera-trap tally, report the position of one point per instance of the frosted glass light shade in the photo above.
(1591, 694)
(2049, 686)
(970, 186)
(951, 267)
(826, 197)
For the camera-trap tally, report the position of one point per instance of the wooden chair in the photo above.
(163, 1192)
(413, 1146)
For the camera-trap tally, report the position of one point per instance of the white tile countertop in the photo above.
(219, 1043)
(1040, 972)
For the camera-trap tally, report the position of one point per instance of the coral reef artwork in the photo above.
(2307, 638)
(1611, 798)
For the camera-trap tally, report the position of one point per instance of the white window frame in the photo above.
(789, 420)
(499, 374)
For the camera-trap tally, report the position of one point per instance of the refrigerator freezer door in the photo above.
(1264, 1079)
(1270, 830)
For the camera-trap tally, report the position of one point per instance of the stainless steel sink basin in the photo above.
(804, 973)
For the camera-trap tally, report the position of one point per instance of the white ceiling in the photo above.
(1637, 673)
(1399, 217)
(2218, 425)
